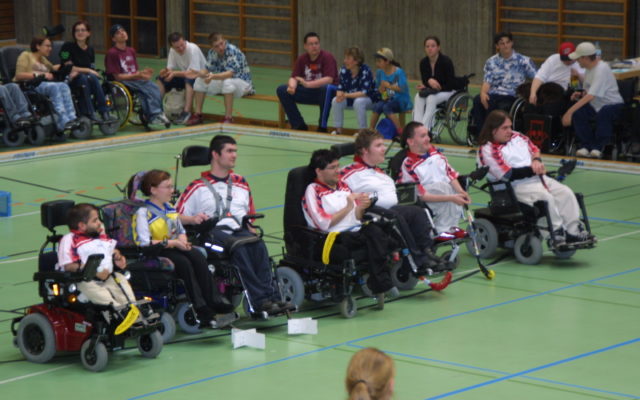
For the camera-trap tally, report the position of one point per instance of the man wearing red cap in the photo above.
(557, 68)
(601, 101)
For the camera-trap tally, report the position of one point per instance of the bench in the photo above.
(266, 97)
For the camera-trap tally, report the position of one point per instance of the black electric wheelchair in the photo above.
(62, 322)
(152, 276)
(513, 225)
(13, 133)
(41, 106)
(228, 276)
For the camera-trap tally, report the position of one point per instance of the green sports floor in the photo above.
(564, 329)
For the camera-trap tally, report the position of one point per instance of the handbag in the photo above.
(427, 92)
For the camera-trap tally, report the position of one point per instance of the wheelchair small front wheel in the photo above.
(83, 129)
(528, 249)
(150, 345)
(187, 319)
(402, 277)
(348, 307)
(36, 135)
(96, 359)
(13, 138)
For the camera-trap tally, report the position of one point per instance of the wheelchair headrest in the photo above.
(196, 155)
(344, 149)
(8, 58)
(297, 181)
(54, 213)
(395, 164)
(133, 185)
(54, 57)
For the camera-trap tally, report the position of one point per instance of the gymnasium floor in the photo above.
(559, 330)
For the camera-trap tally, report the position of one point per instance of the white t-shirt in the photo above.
(600, 82)
(554, 70)
(192, 59)
(74, 247)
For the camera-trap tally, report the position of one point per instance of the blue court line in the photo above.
(534, 369)
(494, 371)
(618, 287)
(380, 334)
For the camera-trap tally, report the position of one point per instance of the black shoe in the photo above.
(323, 130)
(222, 305)
(302, 127)
(206, 316)
(71, 125)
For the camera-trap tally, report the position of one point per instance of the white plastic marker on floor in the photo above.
(301, 326)
(247, 338)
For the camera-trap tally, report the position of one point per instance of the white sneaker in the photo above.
(582, 152)
(160, 119)
(595, 154)
(334, 133)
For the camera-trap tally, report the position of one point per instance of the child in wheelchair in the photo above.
(157, 222)
(87, 237)
(512, 157)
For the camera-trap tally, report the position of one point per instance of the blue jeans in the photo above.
(387, 107)
(89, 85)
(321, 96)
(582, 124)
(60, 96)
(254, 267)
(14, 102)
(150, 97)
(496, 102)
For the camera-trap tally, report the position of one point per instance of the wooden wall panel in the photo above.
(465, 28)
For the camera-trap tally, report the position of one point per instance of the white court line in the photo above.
(18, 260)
(46, 371)
(24, 215)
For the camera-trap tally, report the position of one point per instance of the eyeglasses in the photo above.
(82, 30)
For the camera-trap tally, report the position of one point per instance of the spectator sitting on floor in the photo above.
(370, 375)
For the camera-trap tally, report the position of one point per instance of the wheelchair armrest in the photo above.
(31, 84)
(141, 251)
(247, 222)
(59, 276)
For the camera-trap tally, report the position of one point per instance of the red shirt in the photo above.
(324, 65)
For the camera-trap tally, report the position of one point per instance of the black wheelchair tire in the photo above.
(96, 360)
(167, 327)
(403, 278)
(36, 339)
(13, 138)
(486, 237)
(291, 285)
(150, 345)
(530, 254)
(187, 319)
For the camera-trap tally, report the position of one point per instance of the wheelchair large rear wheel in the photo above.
(486, 238)
(348, 307)
(119, 100)
(457, 117)
(291, 285)
(402, 277)
(95, 360)
(13, 138)
(516, 112)
(150, 345)
(36, 339)
(187, 319)
(528, 249)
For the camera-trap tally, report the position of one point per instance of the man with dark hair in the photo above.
(503, 73)
(87, 237)
(438, 181)
(364, 176)
(121, 63)
(601, 101)
(227, 72)
(312, 81)
(184, 64)
(225, 196)
(330, 206)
